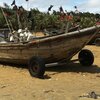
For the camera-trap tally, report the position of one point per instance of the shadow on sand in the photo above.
(72, 67)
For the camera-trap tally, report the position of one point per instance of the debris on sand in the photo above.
(92, 95)
(3, 86)
(47, 91)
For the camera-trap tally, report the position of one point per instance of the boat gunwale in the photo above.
(51, 38)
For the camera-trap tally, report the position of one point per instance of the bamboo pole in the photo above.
(5, 19)
(19, 23)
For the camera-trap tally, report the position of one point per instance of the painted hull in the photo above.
(52, 49)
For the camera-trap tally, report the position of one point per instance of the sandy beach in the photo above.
(66, 82)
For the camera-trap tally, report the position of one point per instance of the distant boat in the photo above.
(41, 51)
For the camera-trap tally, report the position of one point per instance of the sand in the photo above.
(66, 82)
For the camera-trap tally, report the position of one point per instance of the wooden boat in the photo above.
(41, 51)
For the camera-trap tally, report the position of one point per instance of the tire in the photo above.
(86, 57)
(97, 41)
(36, 67)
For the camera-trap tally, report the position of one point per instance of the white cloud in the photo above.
(47, 3)
(83, 5)
(1, 4)
(94, 3)
(86, 5)
(43, 5)
(90, 5)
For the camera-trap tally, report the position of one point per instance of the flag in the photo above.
(6, 5)
(15, 8)
(49, 9)
(13, 3)
(75, 7)
(21, 8)
(61, 9)
(76, 10)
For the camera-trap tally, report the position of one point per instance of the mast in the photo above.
(27, 12)
(19, 23)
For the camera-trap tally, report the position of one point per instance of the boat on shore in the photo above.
(40, 51)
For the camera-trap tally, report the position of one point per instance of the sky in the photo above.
(82, 5)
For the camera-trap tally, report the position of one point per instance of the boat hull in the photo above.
(52, 49)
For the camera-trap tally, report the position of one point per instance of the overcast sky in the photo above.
(42, 5)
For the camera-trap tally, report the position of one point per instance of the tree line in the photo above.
(38, 21)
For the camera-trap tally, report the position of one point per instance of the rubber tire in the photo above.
(86, 57)
(97, 41)
(39, 63)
